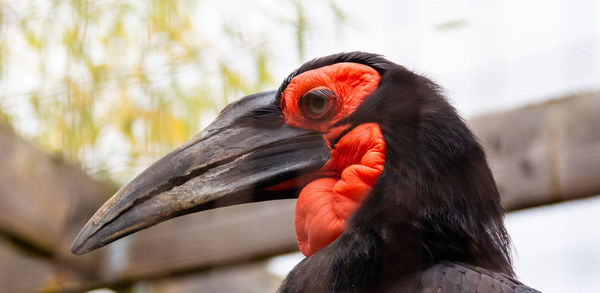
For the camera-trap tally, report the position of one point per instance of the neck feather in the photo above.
(436, 199)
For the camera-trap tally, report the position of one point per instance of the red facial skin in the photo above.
(356, 162)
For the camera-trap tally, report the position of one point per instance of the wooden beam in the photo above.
(43, 204)
(544, 153)
(22, 273)
(248, 277)
(203, 240)
(43, 201)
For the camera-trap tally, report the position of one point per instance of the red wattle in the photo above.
(325, 204)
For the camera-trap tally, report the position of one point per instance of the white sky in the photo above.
(558, 246)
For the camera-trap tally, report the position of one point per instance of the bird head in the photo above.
(363, 143)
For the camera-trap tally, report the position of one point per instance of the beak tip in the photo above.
(77, 247)
(77, 250)
(82, 243)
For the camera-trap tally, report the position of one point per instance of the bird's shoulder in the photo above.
(459, 277)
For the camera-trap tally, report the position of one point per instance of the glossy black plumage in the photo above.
(434, 209)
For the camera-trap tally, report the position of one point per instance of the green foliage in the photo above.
(119, 83)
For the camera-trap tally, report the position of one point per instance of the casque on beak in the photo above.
(247, 149)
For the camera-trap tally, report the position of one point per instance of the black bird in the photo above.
(394, 191)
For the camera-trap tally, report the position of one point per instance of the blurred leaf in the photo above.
(115, 84)
(5, 118)
(452, 24)
(301, 28)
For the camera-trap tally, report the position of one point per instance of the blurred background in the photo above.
(92, 92)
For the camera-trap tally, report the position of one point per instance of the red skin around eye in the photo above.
(352, 83)
(356, 162)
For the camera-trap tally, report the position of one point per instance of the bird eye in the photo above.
(316, 104)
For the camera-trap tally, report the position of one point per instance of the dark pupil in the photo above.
(318, 104)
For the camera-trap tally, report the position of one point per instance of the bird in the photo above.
(394, 192)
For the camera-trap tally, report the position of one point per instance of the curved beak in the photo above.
(247, 149)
